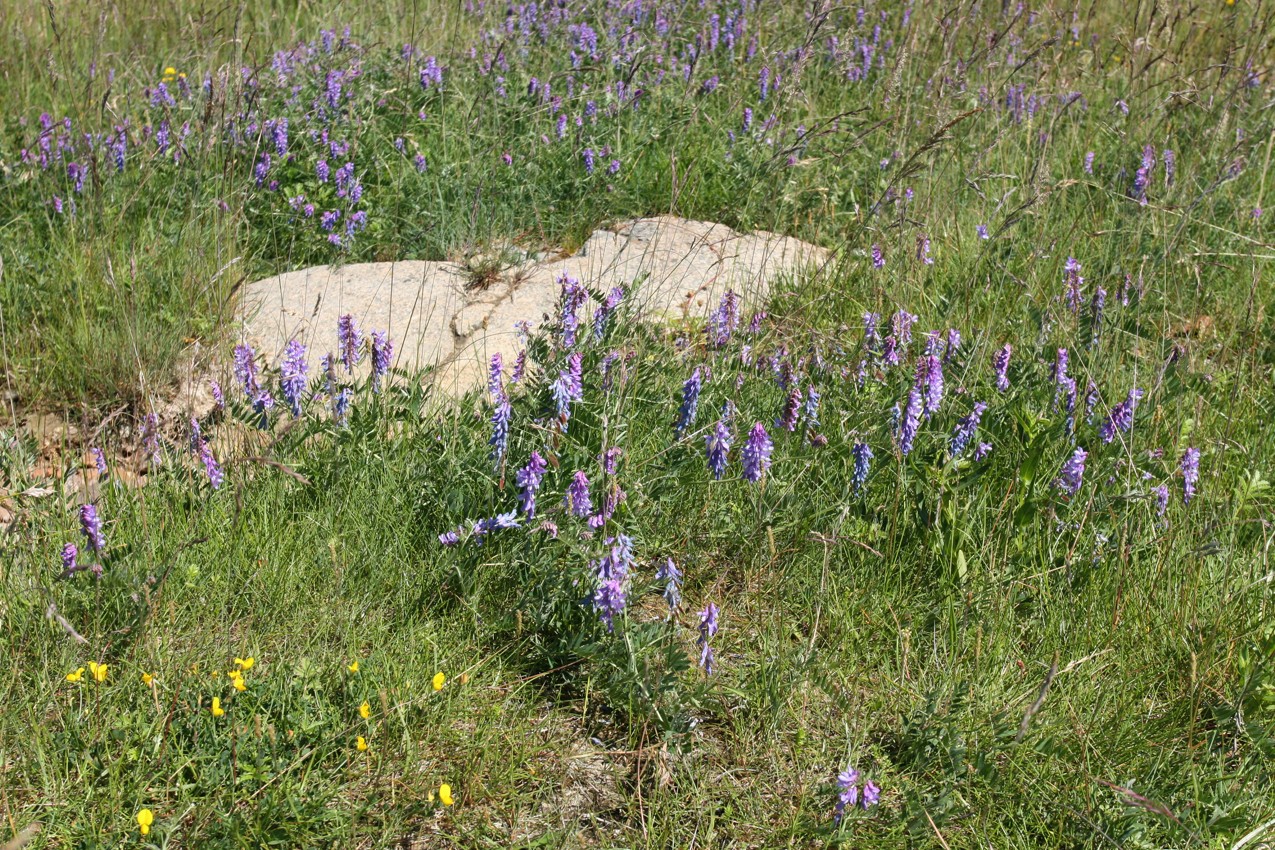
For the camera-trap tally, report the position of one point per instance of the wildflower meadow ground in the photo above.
(960, 540)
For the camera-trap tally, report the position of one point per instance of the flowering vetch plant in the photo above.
(1190, 466)
(849, 793)
(756, 453)
(707, 629)
(612, 571)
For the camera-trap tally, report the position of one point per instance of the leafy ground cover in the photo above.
(961, 540)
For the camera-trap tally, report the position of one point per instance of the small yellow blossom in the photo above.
(148, 679)
(245, 664)
(445, 794)
(361, 743)
(98, 671)
(365, 711)
(76, 676)
(217, 710)
(144, 820)
(170, 72)
(238, 682)
(438, 680)
(353, 668)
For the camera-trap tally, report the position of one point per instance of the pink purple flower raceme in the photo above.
(850, 794)
(717, 447)
(70, 560)
(1073, 283)
(1120, 420)
(862, 455)
(349, 342)
(245, 368)
(1000, 364)
(910, 420)
(292, 375)
(690, 402)
(211, 467)
(966, 429)
(1190, 466)
(501, 415)
(1073, 473)
(707, 630)
(382, 355)
(756, 453)
(571, 299)
(929, 380)
(792, 409)
(91, 526)
(612, 572)
(672, 578)
(577, 500)
(528, 479)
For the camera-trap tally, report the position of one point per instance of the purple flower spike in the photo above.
(792, 408)
(1001, 364)
(966, 428)
(1073, 473)
(215, 475)
(850, 795)
(349, 341)
(499, 441)
(1121, 417)
(672, 578)
(612, 571)
(862, 465)
(382, 354)
(70, 560)
(707, 629)
(1190, 473)
(99, 460)
(91, 525)
(245, 363)
(577, 499)
(529, 478)
(756, 453)
(1073, 281)
(929, 380)
(911, 421)
(292, 378)
(690, 403)
(878, 258)
(717, 445)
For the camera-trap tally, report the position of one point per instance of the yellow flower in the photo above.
(170, 72)
(361, 743)
(238, 682)
(353, 668)
(98, 671)
(217, 710)
(445, 794)
(148, 679)
(245, 664)
(144, 820)
(76, 676)
(365, 711)
(438, 680)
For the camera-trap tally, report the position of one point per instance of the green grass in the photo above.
(908, 630)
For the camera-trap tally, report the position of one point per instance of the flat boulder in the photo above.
(672, 268)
